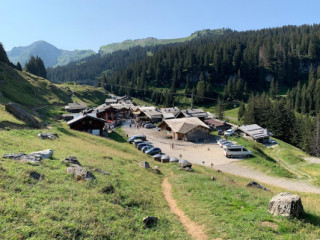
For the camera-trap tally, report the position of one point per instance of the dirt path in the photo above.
(193, 229)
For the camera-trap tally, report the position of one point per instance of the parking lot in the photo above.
(204, 153)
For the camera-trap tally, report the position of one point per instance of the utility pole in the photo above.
(191, 101)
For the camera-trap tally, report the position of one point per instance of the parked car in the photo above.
(229, 132)
(146, 148)
(134, 137)
(226, 143)
(236, 151)
(149, 125)
(220, 132)
(136, 142)
(144, 123)
(142, 144)
(221, 142)
(153, 151)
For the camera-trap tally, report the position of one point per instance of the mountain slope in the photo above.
(51, 55)
(109, 48)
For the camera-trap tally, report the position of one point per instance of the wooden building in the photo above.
(186, 129)
(88, 123)
(255, 132)
(217, 124)
(199, 113)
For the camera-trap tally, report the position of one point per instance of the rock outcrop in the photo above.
(80, 173)
(22, 114)
(257, 185)
(286, 204)
(50, 136)
(34, 157)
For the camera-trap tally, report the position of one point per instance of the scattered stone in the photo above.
(173, 159)
(23, 157)
(43, 154)
(35, 175)
(150, 221)
(71, 160)
(156, 170)
(80, 173)
(286, 204)
(108, 189)
(101, 171)
(185, 164)
(213, 178)
(157, 157)
(50, 136)
(257, 185)
(107, 157)
(165, 159)
(219, 171)
(22, 114)
(144, 164)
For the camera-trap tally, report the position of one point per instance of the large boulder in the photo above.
(44, 154)
(22, 114)
(286, 204)
(80, 173)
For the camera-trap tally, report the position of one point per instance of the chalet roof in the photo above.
(175, 111)
(168, 115)
(153, 114)
(184, 125)
(120, 106)
(110, 100)
(103, 107)
(194, 113)
(255, 131)
(81, 117)
(215, 122)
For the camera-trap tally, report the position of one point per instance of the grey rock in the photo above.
(185, 164)
(286, 204)
(23, 157)
(22, 114)
(213, 178)
(150, 221)
(50, 136)
(156, 170)
(101, 171)
(165, 159)
(44, 154)
(144, 164)
(173, 159)
(257, 185)
(80, 173)
(71, 160)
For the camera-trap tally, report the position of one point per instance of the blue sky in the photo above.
(88, 24)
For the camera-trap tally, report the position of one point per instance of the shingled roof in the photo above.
(184, 125)
(255, 131)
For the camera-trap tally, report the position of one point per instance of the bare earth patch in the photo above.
(270, 225)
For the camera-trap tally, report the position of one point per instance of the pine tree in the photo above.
(272, 90)
(241, 111)
(219, 110)
(19, 66)
(3, 55)
(250, 114)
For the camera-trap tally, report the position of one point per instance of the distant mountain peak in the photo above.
(51, 55)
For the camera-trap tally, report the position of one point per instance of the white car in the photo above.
(229, 132)
(236, 151)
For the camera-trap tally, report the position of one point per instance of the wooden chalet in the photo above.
(186, 129)
(88, 123)
(255, 132)
(217, 124)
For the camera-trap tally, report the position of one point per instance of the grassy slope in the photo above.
(229, 210)
(58, 206)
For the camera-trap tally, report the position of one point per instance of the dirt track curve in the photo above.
(193, 229)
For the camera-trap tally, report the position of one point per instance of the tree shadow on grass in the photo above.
(11, 125)
(117, 137)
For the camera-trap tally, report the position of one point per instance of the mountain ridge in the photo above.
(50, 54)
